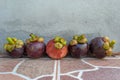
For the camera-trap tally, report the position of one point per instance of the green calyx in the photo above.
(41, 39)
(75, 37)
(106, 39)
(13, 43)
(82, 39)
(34, 38)
(109, 52)
(19, 43)
(10, 40)
(108, 45)
(9, 47)
(73, 42)
(57, 38)
(63, 41)
(112, 43)
(58, 45)
(59, 42)
(78, 39)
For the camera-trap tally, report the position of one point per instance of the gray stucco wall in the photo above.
(61, 17)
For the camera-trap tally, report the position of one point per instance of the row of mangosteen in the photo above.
(57, 48)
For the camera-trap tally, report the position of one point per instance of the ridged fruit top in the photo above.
(13, 43)
(78, 39)
(59, 42)
(108, 45)
(34, 38)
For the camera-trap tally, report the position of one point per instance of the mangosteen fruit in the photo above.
(35, 46)
(14, 47)
(57, 48)
(78, 46)
(101, 47)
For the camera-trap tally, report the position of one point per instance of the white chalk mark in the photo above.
(109, 67)
(70, 72)
(5, 72)
(88, 63)
(43, 76)
(58, 77)
(73, 76)
(17, 66)
(22, 76)
(80, 74)
(14, 71)
(54, 73)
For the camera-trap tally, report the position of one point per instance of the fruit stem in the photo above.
(33, 36)
(10, 40)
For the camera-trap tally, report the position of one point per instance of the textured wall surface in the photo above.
(60, 17)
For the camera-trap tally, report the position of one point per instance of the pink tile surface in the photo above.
(64, 69)
(45, 78)
(104, 62)
(75, 74)
(102, 74)
(71, 64)
(10, 77)
(7, 64)
(36, 67)
(65, 77)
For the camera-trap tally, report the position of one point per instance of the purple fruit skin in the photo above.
(24, 54)
(35, 49)
(96, 47)
(79, 50)
(17, 52)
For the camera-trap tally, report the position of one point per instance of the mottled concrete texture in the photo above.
(7, 64)
(104, 62)
(10, 77)
(61, 17)
(102, 74)
(34, 68)
(65, 69)
(74, 64)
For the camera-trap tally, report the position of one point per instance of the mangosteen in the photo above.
(35, 46)
(78, 46)
(14, 47)
(101, 47)
(57, 48)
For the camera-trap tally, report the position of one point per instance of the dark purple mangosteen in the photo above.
(101, 47)
(35, 46)
(17, 52)
(78, 47)
(14, 47)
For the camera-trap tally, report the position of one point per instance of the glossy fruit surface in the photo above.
(96, 47)
(79, 50)
(16, 53)
(35, 46)
(78, 46)
(35, 49)
(14, 47)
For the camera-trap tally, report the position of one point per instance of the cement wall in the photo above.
(61, 17)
